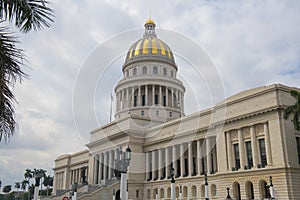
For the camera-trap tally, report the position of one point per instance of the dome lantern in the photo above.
(150, 28)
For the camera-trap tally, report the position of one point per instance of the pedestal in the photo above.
(123, 188)
(36, 193)
(173, 195)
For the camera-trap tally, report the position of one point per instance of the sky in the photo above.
(246, 44)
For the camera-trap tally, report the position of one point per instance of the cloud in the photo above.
(251, 43)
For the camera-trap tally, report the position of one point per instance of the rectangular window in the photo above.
(262, 149)
(237, 156)
(164, 101)
(298, 148)
(194, 165)
(249, 155)
(212, 163)
(203, 166)
(134, 101)
(156, 99)
(143, 100)
(178, 169)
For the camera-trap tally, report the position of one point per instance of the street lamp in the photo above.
(206, 187)
(228, 195)
(122, 162)
(173, 196)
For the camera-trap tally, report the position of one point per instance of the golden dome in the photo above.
(149, 21)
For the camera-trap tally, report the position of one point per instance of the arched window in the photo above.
(134, 71)
(177, 192)
(202, 190)
(155, 70)
(185, 191)
(144, 70)
(149, 194)
(172, 74)
(194, 191)
(264, 189)
(165, 72)
(236, 191)
(169, 193)
(161, 193)
(127, 73)
(249, 190)
(154, 193)
(213, 190)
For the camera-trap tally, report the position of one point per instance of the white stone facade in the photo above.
(239, 143)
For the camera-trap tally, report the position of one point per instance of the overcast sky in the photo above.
(250, 43)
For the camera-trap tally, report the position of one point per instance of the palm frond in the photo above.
(27, 14)
(11, 60)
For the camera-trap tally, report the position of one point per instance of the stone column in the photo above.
(123, 99)
(167, 99)
(199, 157)
(153, 95)
(110, 165)
(229, 150)
(160, 95)
(268, 144)
(147, 166)
(100, 168)
(105, 166)
(182, 165)
(167, 162)
(241, 149)
(132, 96)
(153, 165)
(127, 98)
(159, 163)
(95, 181)
(174, 159)
(253, 146)
(139, 96)
(190, 158)
(172, 98)
(208, 155)
(146, 95)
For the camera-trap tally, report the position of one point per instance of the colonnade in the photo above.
(149, 95)
(104, 165)
(75, 175)
(187, 159)
(260, 154)
(59, 179)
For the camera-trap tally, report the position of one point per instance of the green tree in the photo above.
(24, 184)
(17, 185)
(48, 182)
(6, 189)
(26, 15)
(294, 110)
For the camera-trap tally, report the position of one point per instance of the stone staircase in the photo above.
(89, 192)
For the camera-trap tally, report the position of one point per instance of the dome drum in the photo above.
(149, 88)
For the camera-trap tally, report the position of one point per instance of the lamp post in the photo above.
(206, 187)
(156, 194)
(37, 177)
(228, 195)
(122, 162)
(173, 196)
(271, 188)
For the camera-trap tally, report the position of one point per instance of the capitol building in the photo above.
(242, 143)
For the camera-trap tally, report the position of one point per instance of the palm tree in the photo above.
(17, 185)
(28, 176)
(26, 15)
(24, 184)
(294, 110)
(48, 182)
